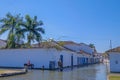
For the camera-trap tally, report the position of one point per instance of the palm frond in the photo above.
(21, 31)
(40, 23)
(41, 30)
(37, 35)
(9, 15)
(28, 19)
(35, 18)
(3, 30)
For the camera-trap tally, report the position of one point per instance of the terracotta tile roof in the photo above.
(47, 45)
(117, 49)
(69, 42)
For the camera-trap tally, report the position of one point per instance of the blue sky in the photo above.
(87, 21)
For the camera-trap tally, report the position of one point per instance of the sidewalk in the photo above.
(5, 73)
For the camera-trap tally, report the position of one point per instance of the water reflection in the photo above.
(93, 72)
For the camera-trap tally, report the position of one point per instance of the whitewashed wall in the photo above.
(39, 57)
(114, 62)
(2, 43)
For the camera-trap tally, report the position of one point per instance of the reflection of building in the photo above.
(48, 54)
(114, 61)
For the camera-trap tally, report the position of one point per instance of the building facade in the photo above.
(114, 61)
(43, 57)
(48, 55)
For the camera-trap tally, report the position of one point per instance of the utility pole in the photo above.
(111, 45)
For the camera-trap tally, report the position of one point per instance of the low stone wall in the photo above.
(12, 73)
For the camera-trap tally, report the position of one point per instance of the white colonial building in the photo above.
(2, 43)
(48, 57)
(114, 61)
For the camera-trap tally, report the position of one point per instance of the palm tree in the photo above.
(91, 45)
(31, 27)
(19, 37)
(10, 23)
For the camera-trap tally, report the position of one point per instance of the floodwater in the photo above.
(91, 72)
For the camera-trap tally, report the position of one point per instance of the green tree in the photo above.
(10, 23)
(31, 27)
(91, 45)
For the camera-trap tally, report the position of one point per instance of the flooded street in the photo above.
(91, 72)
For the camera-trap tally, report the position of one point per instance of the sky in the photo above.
(81, 21)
